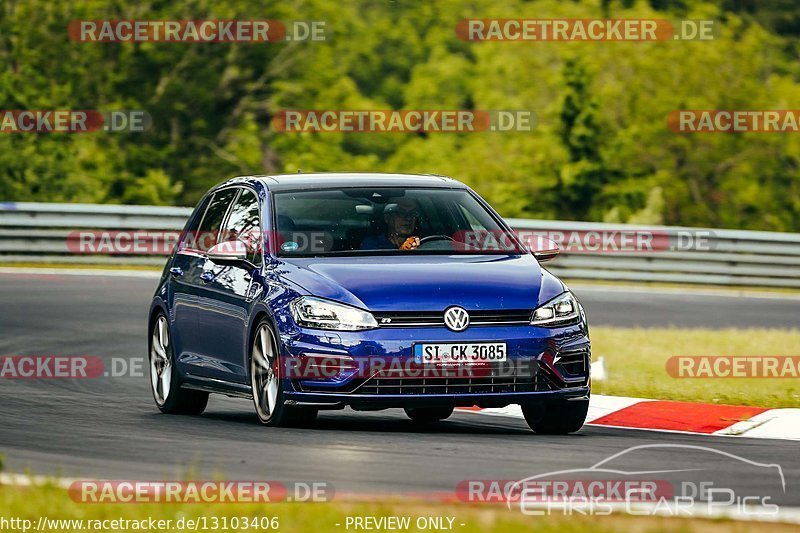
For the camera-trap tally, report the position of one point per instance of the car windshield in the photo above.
(380, 221)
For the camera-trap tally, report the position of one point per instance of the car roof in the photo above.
(325, 180)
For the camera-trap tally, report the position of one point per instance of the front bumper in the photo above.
(386, 401)
(556, 363)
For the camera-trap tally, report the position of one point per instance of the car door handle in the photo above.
(207, 276)
(176, 271)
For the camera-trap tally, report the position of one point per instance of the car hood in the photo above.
(426, 282)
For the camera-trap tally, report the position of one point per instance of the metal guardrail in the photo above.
(42, 233)
(32, 232)
(726, 257)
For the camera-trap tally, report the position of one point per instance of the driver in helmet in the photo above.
(401, 220)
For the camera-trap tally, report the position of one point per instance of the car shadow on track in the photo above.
(384, 422)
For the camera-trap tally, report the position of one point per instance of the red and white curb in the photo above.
(681, 417)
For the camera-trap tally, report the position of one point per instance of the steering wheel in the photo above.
(430, 238)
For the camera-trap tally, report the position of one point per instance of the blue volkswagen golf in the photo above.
(322, 291)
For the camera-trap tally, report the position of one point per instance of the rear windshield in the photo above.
(379, 221)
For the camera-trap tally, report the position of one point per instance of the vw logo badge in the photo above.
(456, 318)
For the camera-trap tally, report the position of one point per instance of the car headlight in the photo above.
(560, 311)
(312, 312)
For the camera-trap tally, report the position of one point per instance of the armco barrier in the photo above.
(732, 257)
(38, 233)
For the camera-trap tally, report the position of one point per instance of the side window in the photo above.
(212, 221)
(187, 238)
(244, 224)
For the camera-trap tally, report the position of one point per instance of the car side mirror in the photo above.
(230, 253)
(544, 249)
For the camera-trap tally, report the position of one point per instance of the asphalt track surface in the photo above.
(109, 427)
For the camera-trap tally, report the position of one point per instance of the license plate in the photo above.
(483, 352)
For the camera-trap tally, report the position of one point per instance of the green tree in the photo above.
(583, 176)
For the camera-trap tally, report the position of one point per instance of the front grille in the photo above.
(384, 385)
(436, 318)
(497, 379)
(521, 375)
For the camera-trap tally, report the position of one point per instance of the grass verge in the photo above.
(636, 363)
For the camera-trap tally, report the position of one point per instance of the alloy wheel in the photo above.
(160, 361)
(264, 372)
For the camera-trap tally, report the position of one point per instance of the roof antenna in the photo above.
(299, 170)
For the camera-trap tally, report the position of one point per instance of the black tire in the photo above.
(177, 401)
(277, 414)
(428, 415)
(556, 418)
